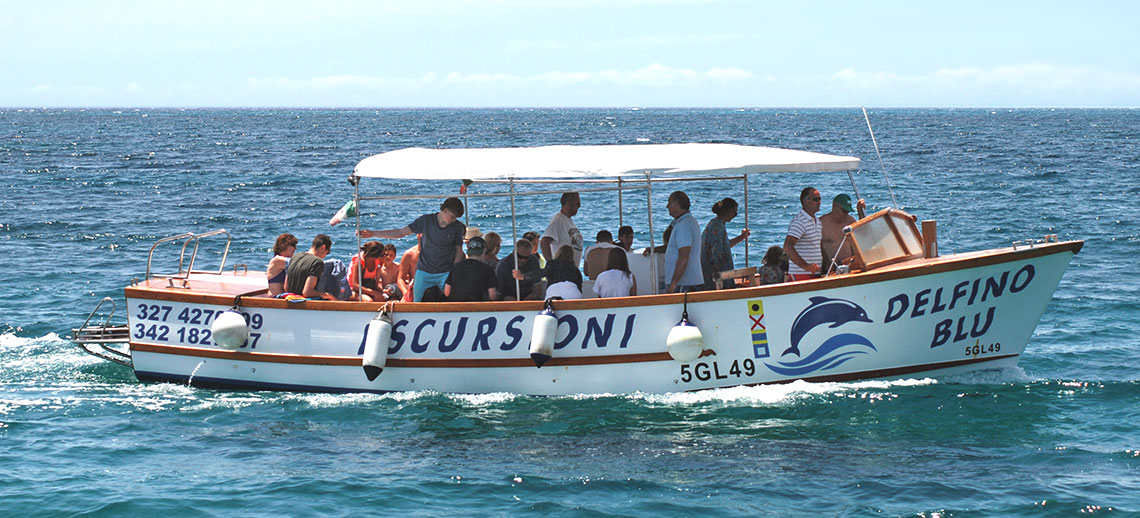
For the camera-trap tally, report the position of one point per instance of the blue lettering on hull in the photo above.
(433, 335)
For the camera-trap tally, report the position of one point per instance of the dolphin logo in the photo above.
(822, 311)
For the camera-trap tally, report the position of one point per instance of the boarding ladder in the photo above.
(106, 340)
(100, 339)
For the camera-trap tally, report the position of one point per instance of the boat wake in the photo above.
(779, 393)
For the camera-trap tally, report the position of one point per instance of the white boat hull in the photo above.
(925, 317)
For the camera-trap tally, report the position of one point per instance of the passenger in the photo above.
(441, 244)
(305, 270)
(532, 236)
(494, 243)
(562, 275)
(471, 232)
(562, 231)
(625, 238)
(283, 249)
(471, 280)
(716, 247)
(771, 272)
(831, 232)
(660, 249)
(617, 280)
(597, 256)
(529, 270)
(334, 280)
(683, 253)
(802, 241)
(407, 272)
(390, 273)
(364, 273)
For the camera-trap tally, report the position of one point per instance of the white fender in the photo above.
(377, 339)
(685, 342)
(542, 334)
(229, 329)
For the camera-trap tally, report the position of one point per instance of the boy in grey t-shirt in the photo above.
(441, 244)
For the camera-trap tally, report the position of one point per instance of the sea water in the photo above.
(87, 192)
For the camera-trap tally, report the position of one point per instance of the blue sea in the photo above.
(86, 192)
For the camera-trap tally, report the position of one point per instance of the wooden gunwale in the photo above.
(421, 363)
(153, 290)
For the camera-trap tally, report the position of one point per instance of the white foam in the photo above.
(14, 340)
(777, 394)
(326, 400)
(485, 399)
(991, 377)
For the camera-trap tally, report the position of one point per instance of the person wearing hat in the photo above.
(472, 280)
(831, 233)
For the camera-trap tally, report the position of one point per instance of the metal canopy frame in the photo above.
(623, 184)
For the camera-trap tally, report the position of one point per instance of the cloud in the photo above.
(655, 84)
(1029, 84)
(654, 75)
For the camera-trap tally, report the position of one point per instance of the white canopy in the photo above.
(594, 162)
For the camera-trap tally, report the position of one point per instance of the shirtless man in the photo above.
(831, 232)
(406, 273)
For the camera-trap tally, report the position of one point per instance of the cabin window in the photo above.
(886, 237)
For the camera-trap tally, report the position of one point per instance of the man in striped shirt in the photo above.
(802, 243)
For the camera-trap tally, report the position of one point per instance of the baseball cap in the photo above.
(844, 202)
(476, 244)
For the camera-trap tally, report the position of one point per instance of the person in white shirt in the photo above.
(561, 231)
(617, 280)
(802, 242)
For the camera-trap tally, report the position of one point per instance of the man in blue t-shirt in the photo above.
(441, 244)
(683, 252)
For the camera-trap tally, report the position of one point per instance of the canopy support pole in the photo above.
(621, 213)
(652, 253)
(515, 240)
(360, 263)
(857, 197)
(745, 221)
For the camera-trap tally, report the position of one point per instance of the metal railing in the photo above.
(187, 238)
(1030, 243)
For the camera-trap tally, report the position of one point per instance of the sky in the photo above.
(555, 53)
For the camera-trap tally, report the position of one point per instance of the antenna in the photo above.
(881, 166)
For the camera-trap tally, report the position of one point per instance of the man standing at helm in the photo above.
(802, 242)
(562, 230)
(832, 234)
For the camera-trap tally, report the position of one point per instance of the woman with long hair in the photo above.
(617, 280)
(283, 249)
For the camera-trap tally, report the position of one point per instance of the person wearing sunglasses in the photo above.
(802, 242)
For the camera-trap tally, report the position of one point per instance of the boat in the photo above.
(900, 310)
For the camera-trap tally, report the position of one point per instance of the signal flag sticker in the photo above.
(759, 329)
